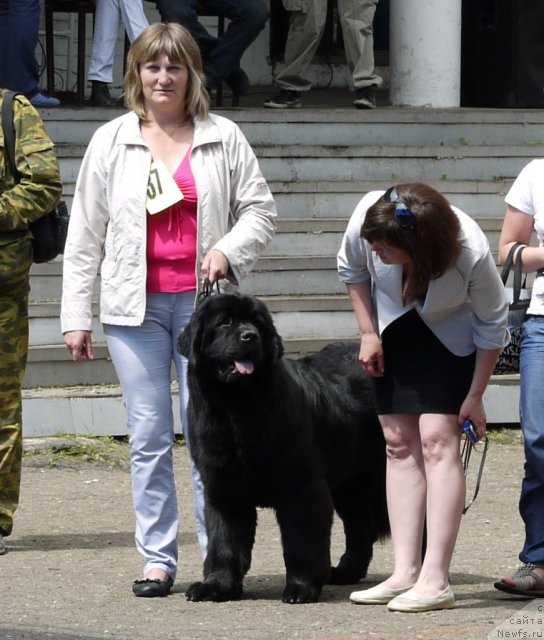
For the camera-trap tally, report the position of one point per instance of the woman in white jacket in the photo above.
(167, 197)
(432, 313)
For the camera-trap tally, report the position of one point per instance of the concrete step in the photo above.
(305, 322)
(296, 323)
(323, 236)
(45, 325)
(308, 282)
(298, 275)
(342, 126)
(394, 163)
(338, 198)
(99, 410)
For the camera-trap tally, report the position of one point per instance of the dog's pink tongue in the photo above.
(245, 367)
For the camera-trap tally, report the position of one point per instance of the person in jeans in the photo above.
(106, 26)
(306, 27)
(167, 197)
(221, 56)
(525, 216)
(19, 24)
(37, 192)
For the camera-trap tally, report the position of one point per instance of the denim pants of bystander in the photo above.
(143, 357)
(532, 423)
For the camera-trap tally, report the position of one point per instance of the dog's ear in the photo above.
(273, 339)
(184, 341)
(190, 339)
(276, 345)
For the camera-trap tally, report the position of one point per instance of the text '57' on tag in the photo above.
(162, 190)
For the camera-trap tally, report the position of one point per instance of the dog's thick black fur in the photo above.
(300, 436)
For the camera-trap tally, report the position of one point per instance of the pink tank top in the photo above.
(171, 239)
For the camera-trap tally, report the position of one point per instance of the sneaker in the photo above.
(2, 545)
(40, 100)
(285, 99)
(100, 94)
(365, 98)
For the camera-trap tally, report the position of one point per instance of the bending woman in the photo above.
(432, 314)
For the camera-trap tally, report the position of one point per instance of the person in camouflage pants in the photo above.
(37, 193)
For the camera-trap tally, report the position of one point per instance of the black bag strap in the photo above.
(507, 266)
(9, 132)
(515, 250)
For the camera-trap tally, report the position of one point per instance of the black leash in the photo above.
(208, 289)
(465, 455)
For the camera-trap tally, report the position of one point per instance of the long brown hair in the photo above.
(418, 220)
(172, 40)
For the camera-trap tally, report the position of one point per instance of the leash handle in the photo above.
(465, 454)
(208, 290)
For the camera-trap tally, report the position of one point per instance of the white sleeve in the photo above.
(352, 259)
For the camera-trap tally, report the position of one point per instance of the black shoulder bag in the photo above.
(519, 298)
(49, 231)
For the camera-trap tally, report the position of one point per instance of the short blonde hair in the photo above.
(174, 41)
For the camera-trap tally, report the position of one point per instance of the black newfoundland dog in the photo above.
(300, 436)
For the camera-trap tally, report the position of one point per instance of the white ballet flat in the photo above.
(376, 595)
(412, 602)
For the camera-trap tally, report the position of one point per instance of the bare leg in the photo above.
(406, 496)
(445, 498)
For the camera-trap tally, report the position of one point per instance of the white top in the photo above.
(527, 195)
(466, 308)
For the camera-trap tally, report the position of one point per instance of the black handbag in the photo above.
(519, 299)
(49, 231)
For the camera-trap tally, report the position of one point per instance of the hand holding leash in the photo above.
(215, 266)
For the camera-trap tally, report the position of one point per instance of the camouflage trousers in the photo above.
(14, 288)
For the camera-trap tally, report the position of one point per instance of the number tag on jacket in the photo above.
(162, 190)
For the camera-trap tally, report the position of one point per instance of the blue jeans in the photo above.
(221, 56)
(531, 505)
(19, 24)
(143, 358)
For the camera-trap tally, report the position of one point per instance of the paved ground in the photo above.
(72, 559)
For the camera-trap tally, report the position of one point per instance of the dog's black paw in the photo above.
(344, 574)
(300, 593)
(211, 591)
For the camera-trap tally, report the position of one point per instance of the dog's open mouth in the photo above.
(244, 367)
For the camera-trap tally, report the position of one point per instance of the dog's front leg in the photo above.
(231, 534)
(305, 521)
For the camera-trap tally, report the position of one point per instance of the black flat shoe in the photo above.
(100, 95)
(152, 588)
(238, 81)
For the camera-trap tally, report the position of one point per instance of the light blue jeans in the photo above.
(531, 505)
(143, 358)
(106, 29)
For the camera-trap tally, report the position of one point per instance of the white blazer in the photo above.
(465, 308)
(236, 214)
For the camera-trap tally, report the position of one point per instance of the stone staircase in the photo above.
(318, 162)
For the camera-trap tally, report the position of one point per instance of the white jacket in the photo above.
(236, 215)
(465, 308)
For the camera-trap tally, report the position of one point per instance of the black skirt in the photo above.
(421, 375)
